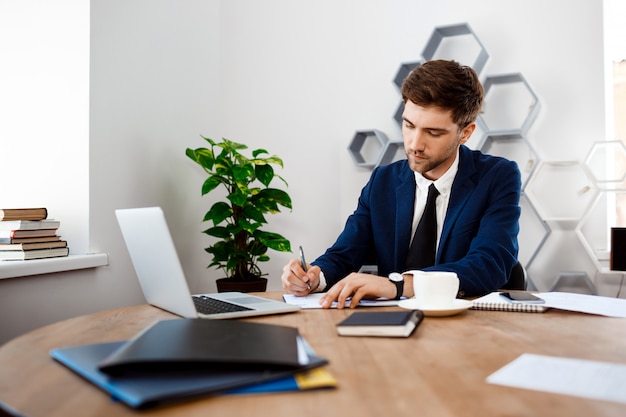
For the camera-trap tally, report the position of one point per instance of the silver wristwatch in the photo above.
(398, 280)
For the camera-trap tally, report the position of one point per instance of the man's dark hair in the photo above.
(447, 85)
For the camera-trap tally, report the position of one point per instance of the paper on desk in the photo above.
(313, 301)
(580, 378)
(584, 303)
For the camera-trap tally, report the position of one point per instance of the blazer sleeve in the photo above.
(378, 231)
(350, 250)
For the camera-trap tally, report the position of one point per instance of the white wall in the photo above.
(44, 136)
(297, 78)
(44, 111)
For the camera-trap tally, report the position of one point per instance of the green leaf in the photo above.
(252, 212)
(256, 247)
(258, 152)
(248, 226)
(223, 166)
(210, 184)
(211, 141)
(274, 160)
(273, 241)
(264, 173)
(243, 173)
(218, 213)
(233, 146)
(279, 196)
(269, 199)
(219, 232)
(237, 198)
(235, 229)
(205, 158)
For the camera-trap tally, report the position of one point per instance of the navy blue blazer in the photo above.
(479, 236)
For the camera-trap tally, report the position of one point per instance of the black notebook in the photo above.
(381, 323)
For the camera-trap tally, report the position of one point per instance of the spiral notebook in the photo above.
(494, 301)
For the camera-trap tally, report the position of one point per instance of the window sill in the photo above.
(14, 269)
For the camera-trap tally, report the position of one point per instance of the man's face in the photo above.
(431, 139)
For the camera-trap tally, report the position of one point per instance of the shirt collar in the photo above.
(444, 183)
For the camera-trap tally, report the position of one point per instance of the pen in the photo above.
(303, 262)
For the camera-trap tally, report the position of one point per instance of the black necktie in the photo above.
(423, 247)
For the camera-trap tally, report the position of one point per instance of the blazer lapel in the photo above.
(405, 203)
(462, 189)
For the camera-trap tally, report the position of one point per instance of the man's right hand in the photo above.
(298, 282)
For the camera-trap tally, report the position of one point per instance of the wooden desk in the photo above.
(439, 371)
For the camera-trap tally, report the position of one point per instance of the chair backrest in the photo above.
(517, 279)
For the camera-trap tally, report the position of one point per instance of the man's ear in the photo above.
(467, 132)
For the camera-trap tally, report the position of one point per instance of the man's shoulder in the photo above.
(395, 169)
(482, 160)
(398, 165)
(479, 167)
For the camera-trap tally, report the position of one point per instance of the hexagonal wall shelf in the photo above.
(561, 252)
(604, 164)
(574, 281)
(510, 104)
(465, 48)
(397, 116)
(393, 151)
(533, 232)
(515, 147)
(367, 147)
(592, 230)
(561, 191)
(404, 70)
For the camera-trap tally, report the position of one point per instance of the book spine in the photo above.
(39, 213)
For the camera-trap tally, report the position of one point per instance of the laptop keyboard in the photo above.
(207, 305)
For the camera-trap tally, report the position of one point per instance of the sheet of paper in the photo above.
(584, 303)
(579, 378)
(313, 301)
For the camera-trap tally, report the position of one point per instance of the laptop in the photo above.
(163, 281)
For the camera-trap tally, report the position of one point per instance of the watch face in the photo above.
(394, 276)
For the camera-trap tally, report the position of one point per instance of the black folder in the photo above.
(196, 344)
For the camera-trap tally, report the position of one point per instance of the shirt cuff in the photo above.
(322, 286)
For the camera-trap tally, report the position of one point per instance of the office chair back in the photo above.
(517, 279)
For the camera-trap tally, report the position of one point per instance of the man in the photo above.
(477, 209)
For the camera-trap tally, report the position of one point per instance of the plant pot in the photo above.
(230, 285)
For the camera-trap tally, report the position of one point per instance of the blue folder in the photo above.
(147, 391)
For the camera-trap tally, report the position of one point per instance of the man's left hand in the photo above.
(358, 286)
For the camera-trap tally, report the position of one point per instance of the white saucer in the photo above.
(457, 307)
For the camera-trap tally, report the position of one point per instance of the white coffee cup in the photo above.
(435, 289)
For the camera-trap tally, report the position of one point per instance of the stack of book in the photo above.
(27, 233)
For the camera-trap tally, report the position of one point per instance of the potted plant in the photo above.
(236, 220)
